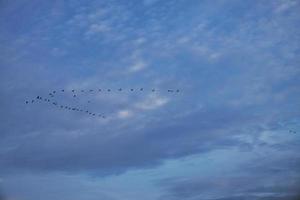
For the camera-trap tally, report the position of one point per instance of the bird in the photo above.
(177, 90)
(170, 90)
(153, 90)
(89, 101)
(99, 90)
(73, 90)
(91, 90)
(108, 90)
(62, 90)
(54, 92)
(94, 114)
(82, 90)
(131, 89)
(32, 101)
(120, 89)
(74, 95)
(141, 89)
(26, 102)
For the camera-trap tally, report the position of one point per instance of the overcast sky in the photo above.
(232, 132)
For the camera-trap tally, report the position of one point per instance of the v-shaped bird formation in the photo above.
(50, 98)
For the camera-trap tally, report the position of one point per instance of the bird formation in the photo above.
(65, 107)
(75, 93)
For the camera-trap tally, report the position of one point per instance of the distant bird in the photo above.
(89, 101)
(177, 90)
(91, 90)
(74, 95)
(87, 111)
(32, 101)
(73, 90)
(54, 92)
(108, 90)
(141, 89)
(26, 102)
(62, 90)
(73, 108)
(50, 94)
(82, 90)
(99, 90)
(170, 90)
(48, 100)
(90, 113)
(131, 89)
(153, 90)
(120, 89)
(94, 114)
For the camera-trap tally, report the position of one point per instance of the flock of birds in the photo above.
(51, 95)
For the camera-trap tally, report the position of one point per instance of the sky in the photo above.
(232, 132)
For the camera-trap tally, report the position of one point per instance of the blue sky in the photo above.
(224, 136)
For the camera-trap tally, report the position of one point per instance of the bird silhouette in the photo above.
(91, 90)
(141, 89)
(108, 90)
(99, 90)
(73, 90)
(74, 95)
(32, 101)
(120, 89)
(82, 90)
(62, 90)
(26, 102)
(131, 89)
(177, 90)
(153, 90)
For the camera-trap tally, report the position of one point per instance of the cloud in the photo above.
(152, 102)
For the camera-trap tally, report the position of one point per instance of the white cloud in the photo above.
(123, 114)
(138, 66)
(152, 102)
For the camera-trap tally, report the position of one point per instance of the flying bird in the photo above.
(108, 90)
(26, 102)
(73, 90)
(120, 89)
(131, 89)
(141, 89)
